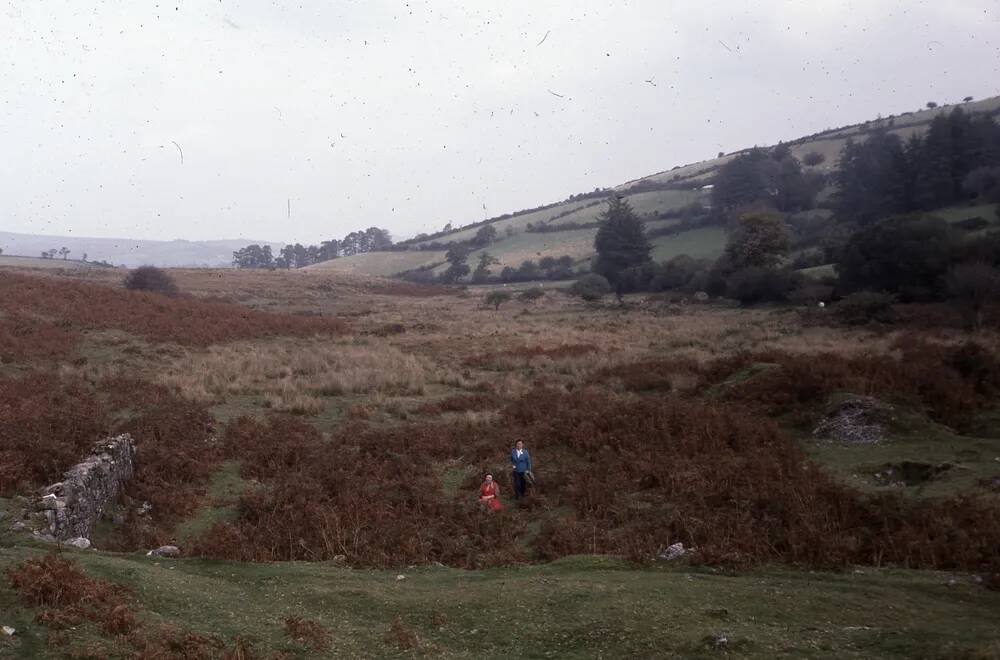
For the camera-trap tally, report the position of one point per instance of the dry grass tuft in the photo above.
(308, 633)
(293, 375)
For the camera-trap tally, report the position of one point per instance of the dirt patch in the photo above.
(909, 473)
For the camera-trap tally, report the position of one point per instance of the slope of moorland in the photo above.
(313, 442)
(518, 238)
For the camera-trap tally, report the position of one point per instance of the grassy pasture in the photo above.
(14, 261)
(580, 607)
(380, 264)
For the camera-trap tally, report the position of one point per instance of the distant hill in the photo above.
(129, 252)
(568, 228)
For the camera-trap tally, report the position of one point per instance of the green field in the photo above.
(380, 264)
(13, 261)
(516, 223)
(954, 214)
(704, 242)
(582, 607)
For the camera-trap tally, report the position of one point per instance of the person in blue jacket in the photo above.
(520, 464)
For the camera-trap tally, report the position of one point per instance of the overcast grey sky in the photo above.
(408, 115)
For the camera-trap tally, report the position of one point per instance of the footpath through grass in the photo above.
(581, 607)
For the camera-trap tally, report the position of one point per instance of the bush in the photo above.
(497, 298)
(592, 287)
(865, 306)
(150, 278)
(678, 273)
(814, 158)
(972, 287)
(756, 285)
(810, 293)
(531, 295)
(906, 255)
(809, 259)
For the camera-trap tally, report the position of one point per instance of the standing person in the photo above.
(520, 464)
(489, 494)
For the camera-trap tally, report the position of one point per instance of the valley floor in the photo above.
(354, 424)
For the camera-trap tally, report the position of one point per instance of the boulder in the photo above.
(855, 420)
(79, 543)
(675, 551)
(169, 551)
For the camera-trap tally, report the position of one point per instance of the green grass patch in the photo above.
(573, 608)
(704, 242)
(961, 462)
(220, 506)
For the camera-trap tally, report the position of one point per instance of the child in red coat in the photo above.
(489, 494)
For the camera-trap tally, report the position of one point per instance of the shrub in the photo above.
(188, 321)
(810, 293)
(972, 287)
(497, 298)
(809, 259)
(308, 633)
(755, 285)
(531, 295)
(864, 307)
(25, 338)
(150, 278)
(907, 255)
(48, 425)
(814, 158)
(67, 596)
(592, 287)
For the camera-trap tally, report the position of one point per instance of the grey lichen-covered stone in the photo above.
(74, 505)
(169, 551)
(855, 420)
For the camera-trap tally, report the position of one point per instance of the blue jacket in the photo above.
(522, 464)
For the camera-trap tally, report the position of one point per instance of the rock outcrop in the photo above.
(74, 505)
(855, 420)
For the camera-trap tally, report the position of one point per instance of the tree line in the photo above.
(373, 239)
(884, 238)
(957, 159)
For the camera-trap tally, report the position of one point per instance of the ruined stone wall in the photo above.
(74, 505)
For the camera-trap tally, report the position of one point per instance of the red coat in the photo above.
(490, 492)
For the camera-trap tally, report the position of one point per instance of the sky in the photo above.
(303, 121)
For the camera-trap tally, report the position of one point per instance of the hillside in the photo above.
(518, 239)
(129, 252)
(13, 261)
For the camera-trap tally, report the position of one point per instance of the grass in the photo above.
(575, 607)
(912, 439)
(291, 375)
(954, 214)
(820, 272)
(704, 242)
(16, 261)
(380, 263)
(224, 488)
